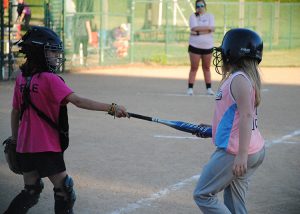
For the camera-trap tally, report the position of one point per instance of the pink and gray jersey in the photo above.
(47, 91)
(225, 124)
(205, 41)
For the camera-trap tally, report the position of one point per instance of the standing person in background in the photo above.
(82, 29)
(24, 14)
(201, 42)
(121, 43)
(70, 12)
(240, 146)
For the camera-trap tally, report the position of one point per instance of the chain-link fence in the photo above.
(156, 31)
(12, 29)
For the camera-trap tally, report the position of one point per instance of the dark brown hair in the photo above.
(196, 13)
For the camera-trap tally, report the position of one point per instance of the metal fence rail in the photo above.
(158, 30)
(10, 33)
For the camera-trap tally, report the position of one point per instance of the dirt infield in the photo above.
(283, 75)
(137, 167)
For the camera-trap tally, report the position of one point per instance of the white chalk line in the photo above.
(176, 137)
(284, 139)
(146, 202)
(174, 94)
(183, 94)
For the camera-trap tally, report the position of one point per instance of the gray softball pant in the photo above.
(217, 176)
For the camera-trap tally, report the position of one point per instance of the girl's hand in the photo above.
(240, 165)
(204, 131)
(121, 112)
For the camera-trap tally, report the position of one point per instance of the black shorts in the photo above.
(199, 51)
(46, 163)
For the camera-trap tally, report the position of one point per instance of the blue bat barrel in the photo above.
(201, 130)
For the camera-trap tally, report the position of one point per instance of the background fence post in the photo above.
(131, 49)
(9, 42)
(103, 28)
(276, 22)
(1, 39)
(241, 13)
(259, 16)
(290, 25)
(167, 29)
(271, 27)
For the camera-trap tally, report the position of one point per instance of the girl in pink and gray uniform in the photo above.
(240, 146)
(202, 25)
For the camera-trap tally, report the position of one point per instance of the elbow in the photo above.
(78, 103)
(74, 99)
(15, 112)
(81, 103)
(212, 29)
(15, 116)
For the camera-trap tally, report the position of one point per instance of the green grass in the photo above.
(281, 58)
(177, 55)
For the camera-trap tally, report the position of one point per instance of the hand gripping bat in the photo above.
(202, 130)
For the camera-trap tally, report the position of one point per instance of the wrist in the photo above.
(243, 153)
(112, 110)
(14, 139)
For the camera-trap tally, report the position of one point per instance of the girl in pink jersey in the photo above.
(39, 151)
(240, 146)
(201, 42)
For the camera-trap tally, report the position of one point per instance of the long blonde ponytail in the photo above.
(250, 67)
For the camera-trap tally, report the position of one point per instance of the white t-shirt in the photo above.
(70, 7)
(205, 41)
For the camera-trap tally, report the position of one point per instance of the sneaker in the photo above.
(190, 91)
(210, 92)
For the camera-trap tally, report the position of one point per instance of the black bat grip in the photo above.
(142, 117)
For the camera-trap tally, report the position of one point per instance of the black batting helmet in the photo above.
(239, 43)
(36, 45)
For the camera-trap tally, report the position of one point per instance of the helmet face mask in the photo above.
(217, 61)
(43, 47)
(238, 43)
(54, 57)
